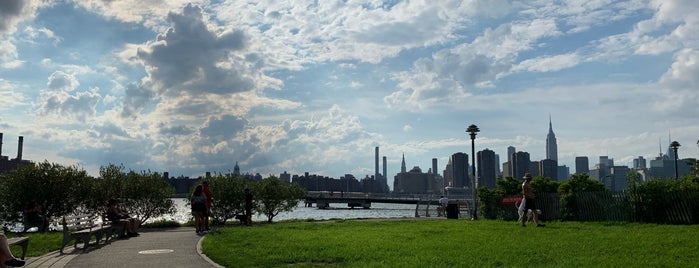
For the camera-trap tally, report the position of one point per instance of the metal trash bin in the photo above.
(452, 210)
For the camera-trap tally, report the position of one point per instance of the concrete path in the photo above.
(176, 247)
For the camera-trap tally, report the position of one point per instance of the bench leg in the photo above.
(24, 246)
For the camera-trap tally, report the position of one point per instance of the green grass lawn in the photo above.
(454, 243)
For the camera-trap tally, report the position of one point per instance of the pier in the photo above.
(364, 200)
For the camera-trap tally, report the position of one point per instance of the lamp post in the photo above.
(674, 145)
(472, 130)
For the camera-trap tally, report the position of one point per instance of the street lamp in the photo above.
(674, 145)
(472, 130)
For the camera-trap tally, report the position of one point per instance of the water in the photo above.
(336, 211)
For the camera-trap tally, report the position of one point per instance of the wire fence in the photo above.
(673, 207)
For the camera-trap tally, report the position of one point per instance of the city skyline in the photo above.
(194, 86)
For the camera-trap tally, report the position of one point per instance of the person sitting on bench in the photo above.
(6, 258)
(117, 215)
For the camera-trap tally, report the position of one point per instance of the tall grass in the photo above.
(454, 243)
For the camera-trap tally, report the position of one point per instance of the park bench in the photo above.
(81, 228)
(19, 241)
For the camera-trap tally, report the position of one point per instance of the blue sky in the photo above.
(313, 86)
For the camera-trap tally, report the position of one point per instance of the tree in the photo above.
(577, 183)
(274, 196)
(148, 195)
(145, 195)
(59, 190)
(228, 197)
(541, 185)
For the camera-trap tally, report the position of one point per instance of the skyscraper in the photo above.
(582, 165)
(551, 147)
(459, 165)
(520, 164)
(487, 172)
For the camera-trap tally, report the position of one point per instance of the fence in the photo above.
(675, 207)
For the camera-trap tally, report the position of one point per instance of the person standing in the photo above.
(443, 202)
(529, 204)
(248, 207)
(198, 201)
(209, 199)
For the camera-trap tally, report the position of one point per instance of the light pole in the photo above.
(472, 130)
(674, 145)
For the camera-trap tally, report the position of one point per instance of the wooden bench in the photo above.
(81, 228)
(19, 241)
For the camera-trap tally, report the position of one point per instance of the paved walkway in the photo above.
(176, 247)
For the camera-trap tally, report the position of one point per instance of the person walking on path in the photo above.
(248, 207)
(209, 199)
(529, 197)
(198, 201)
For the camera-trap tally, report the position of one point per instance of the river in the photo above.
(301, 212)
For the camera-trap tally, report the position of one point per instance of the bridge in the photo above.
(323, 199)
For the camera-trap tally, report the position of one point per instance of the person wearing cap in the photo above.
(529, 204)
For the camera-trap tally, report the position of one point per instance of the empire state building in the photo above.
(551, 147)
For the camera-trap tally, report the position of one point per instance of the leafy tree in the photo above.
(576, 184)
(228, 197)
(148, 195)
(509, 186)
(145, 195)
(59, 190)
(273, 196)
(542, 185)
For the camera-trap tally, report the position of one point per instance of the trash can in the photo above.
(452, 211)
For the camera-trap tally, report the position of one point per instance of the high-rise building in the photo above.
(434, 166)
(510, 153)
(582, 165)
(487, 173)
(520, 164)
(551, 146)
(639, 163)
(448, 175)
(460, 175)
(548, 169)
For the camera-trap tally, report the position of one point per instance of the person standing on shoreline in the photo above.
(529, 197)
(205, 189)
(198, 201)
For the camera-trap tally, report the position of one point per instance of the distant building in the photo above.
(460, 170)
(551, 146)
(487, 172)
(448, 176)
(582, 165)
(285, 177)
(414, 181)
(7, 164)
(520, 165)
(639, 163)
(548, 168)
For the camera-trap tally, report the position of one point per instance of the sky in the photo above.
(313, 86)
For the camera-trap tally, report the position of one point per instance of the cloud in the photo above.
(681, 86)
(548, 63)
(449, 74)
(58, 100)
(194, 58)
(12, 12)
